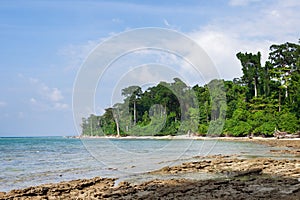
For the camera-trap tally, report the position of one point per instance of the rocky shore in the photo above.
(238, 178)
(293, 145)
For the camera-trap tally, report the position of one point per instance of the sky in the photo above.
(44, 44)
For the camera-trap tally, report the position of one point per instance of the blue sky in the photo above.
(43, 44)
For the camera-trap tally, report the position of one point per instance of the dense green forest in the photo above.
(265, 98)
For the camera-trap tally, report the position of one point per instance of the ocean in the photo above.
(30, 161)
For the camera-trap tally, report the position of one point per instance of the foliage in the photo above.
(288, 122)
(266, 97)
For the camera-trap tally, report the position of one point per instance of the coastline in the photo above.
(270, 141)
(186, 136)
(250, 178)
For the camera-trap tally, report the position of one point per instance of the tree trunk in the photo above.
(279, 101)
(255, 87)
(118, 127)
(91, 127)
(134, 113)
(206, 112)
(116, 118)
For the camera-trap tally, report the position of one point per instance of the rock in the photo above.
(124, 184)
(256, 171)
(254, 178)
(2, 194)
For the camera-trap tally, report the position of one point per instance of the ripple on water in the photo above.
(34, 161)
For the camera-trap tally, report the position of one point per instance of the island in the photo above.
(261, 107)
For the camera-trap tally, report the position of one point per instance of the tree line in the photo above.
(265, 98)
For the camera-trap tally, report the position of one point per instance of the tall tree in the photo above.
(251, 68)
(284, 59)
(132, 93)
(266, 78)
(116, 116)
(181, 91)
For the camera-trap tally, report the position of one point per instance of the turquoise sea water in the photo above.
(32, 161)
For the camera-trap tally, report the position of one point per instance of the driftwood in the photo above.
(297, 135)
(279, 134)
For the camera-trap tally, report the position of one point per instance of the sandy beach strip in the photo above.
(270, 141)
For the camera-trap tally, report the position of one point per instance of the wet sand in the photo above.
(239, 178)
(292, 145)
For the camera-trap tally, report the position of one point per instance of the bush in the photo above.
(237, 128)
(202, 130)
(215, 127)
(266, 128)
(288, 122)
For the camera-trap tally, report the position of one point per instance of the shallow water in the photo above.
(33, 161)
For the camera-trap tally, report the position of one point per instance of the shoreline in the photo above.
(184, 137)
(239, 178)
(270, 141)
(249, 178)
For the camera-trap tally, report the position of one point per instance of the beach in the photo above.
(293, 144)
(236, 177)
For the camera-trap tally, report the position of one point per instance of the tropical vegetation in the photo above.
(265, 98)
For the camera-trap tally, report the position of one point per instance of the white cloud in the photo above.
(21, 115)
(179, 67)
(51, 94)
(100, 110)
(222, 47)
(46, 106)
(32, 100)
(275, 21)
(3, 104)
(76, 54)
(55, 95)
(166, 23)
(251, 32)
(61, 106)
(116, 20)
(39, 105)
(171, 25)
(48, 98)
(242, 2)
(33, 80)
(20, 75)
